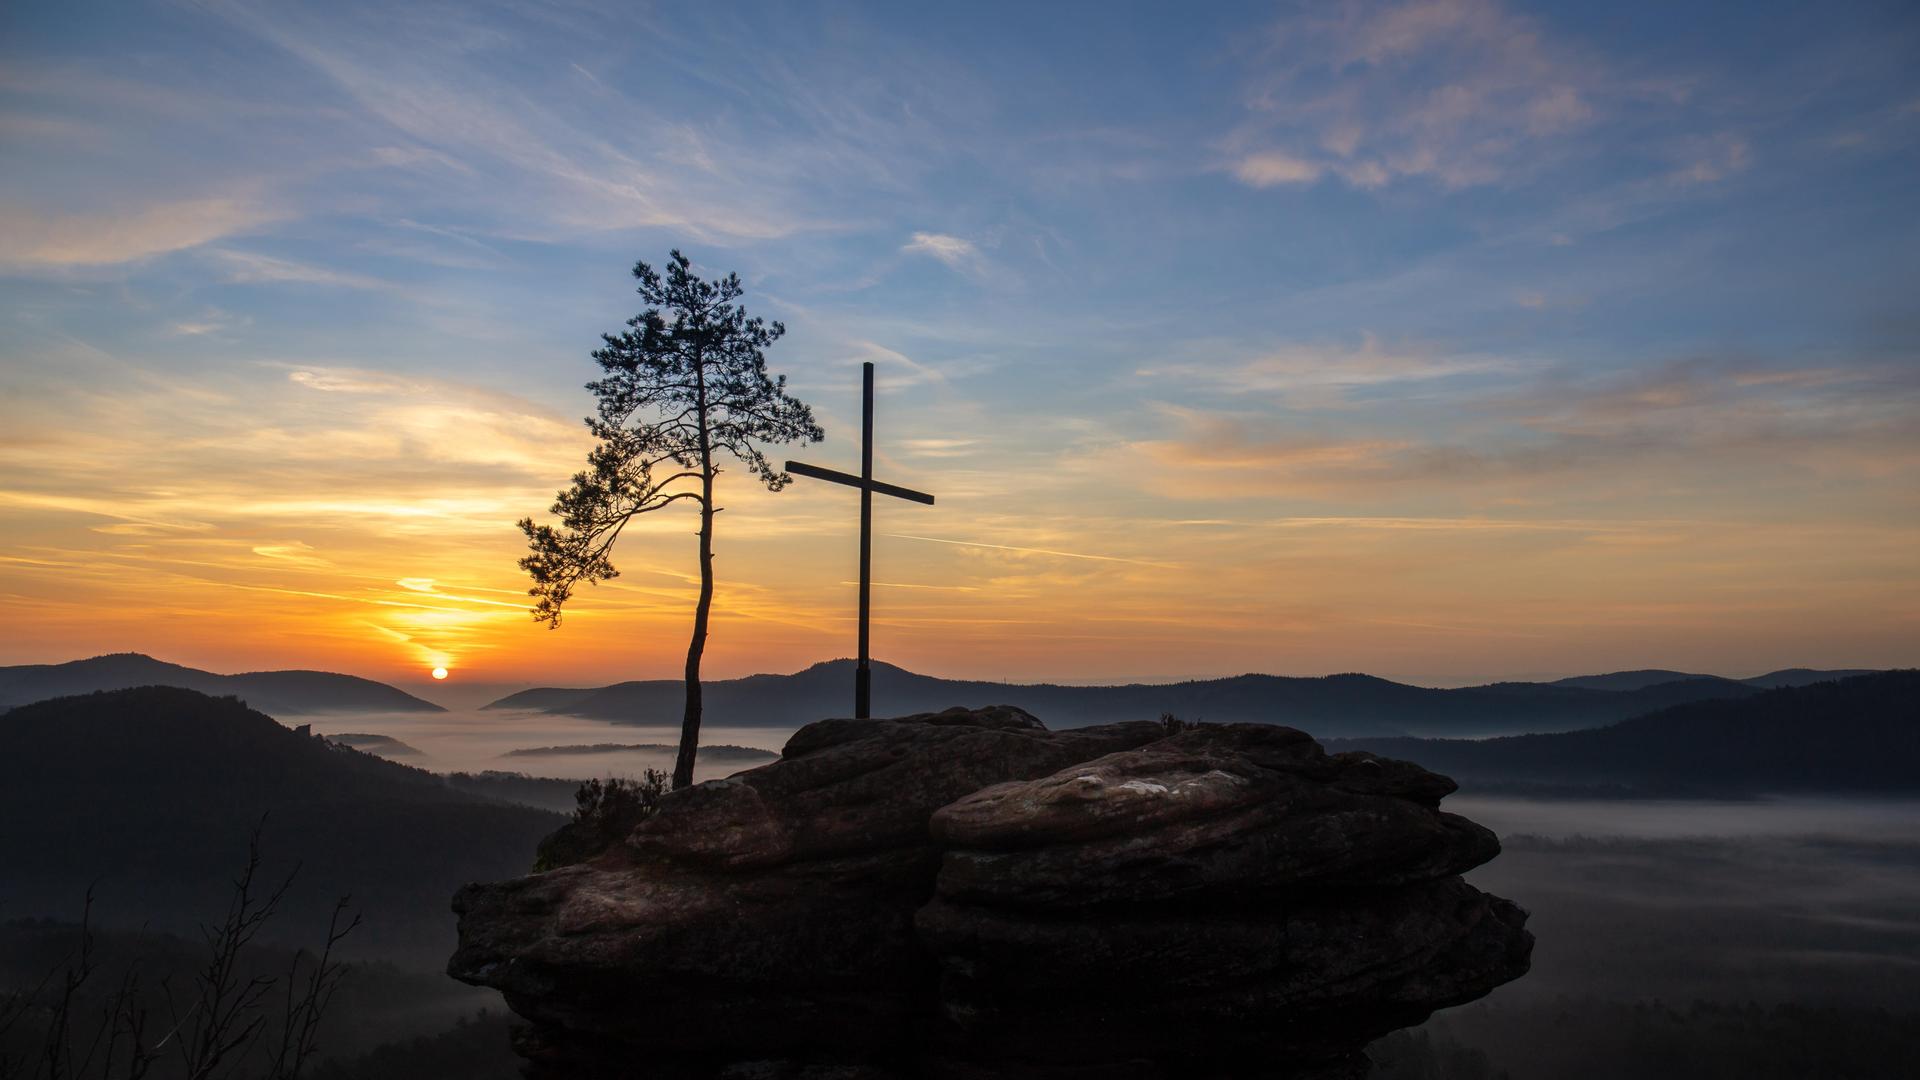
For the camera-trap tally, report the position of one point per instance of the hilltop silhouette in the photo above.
(269, 691)
(1857, 734)
(1640, 680)
(150, 792)
(1331, 706)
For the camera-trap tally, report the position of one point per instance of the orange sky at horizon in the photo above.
(394, 553)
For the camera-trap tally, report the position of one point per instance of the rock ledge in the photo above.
(967, 894)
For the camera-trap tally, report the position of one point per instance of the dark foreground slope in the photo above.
(1331, 706)
(269, 691)
(1860, 734)
(375, 1003)
(151, 794)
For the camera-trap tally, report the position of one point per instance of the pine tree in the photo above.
(684, 386)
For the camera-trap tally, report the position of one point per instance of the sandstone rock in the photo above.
(852, 786)
(1201, 901)
(1251, 807)
(768, 913)
(968, 894)
(1224, 989)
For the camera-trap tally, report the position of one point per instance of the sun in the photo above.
(439, 673)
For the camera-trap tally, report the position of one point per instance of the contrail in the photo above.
(1034, 551)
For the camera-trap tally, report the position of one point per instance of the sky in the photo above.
(1447, 340)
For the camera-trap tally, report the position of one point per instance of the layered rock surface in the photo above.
(968, 894)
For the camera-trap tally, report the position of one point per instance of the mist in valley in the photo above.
(475, 740)
(1768, 937)
(1780, 898)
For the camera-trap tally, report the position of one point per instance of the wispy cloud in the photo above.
(1458, 92)
(1712, 158)
(578, 152)
(34, 238)
(923, 588)
(208, 321)
(294, 551)
(1051, 552)
(1309, 376)
(324, 445)
(941, 448)
(252, 268)
(1746, 422)
(1266, 168)
(335, 380)
(907, 370)
(955, 252)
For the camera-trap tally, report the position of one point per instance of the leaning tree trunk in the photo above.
(690, 722)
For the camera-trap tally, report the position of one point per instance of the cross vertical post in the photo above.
(863, 671)
(863, 675)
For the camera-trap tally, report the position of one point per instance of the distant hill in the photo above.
(543, 699)
(152, 792)
(1627, 680)
(276, 692)
(1800, 676)
(385, 746)
(1640, 680)
(716, 753)
(1331, 706)
(1857, 734)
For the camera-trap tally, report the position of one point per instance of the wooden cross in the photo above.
(862, 675)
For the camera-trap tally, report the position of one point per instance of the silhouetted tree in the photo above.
(223, 1022)
(686, 382)
(605, 812)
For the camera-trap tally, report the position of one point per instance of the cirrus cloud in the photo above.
(958, 253)
(1458, 92)
(31, 238)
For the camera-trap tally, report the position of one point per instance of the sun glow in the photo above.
(439, 673)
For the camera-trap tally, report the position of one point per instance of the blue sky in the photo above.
(1429, 322)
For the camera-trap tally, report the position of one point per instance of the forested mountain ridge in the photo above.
(150, 795)
(275, 692)
(1331, 706)
(1857, 734)
(1637, 680)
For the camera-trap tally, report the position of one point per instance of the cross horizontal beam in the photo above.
(853, 481)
